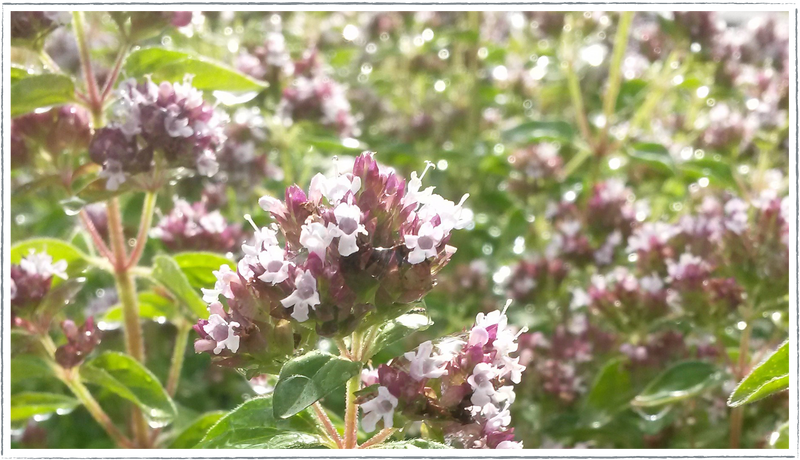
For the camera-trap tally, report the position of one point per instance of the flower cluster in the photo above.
(268, 60)
(59, 130)
(32, 278)
(359, 245)
(191, 227)
(535, 166)
(560, 358)
(242, 161)
(151, 121)
(31, 25)
(460, 386)
(80, 342)
(315, 96)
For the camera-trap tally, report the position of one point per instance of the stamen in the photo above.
(335, 166)
(428, 165)
(505, 308)
(248, 218)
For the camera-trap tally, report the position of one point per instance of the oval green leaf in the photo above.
(400, 328)
(125, 377)
(168, 273)
(198, 267)
(172, 66)
(535, 131)
(610, 393)
(252, 425)
(26, 405)
(769, 377)
(681, 381)
(306, 379)
(40, 91)
(189, 437)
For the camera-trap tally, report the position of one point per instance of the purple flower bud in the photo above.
(190, 227)
(32, 25)
(80, 342)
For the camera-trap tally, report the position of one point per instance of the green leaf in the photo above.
(681, 381)
(400, 328)
(196, 431)
(26, 405)
(252, 425)
(18, 72)
(719, 173)
(57, 249)
(534, 131)
(152, 306)
(56, 299)
(167, 272)
(411, 444)
(610, 393)
(172, 66)
(769, 377)
(198, 267)
(24, 367)
(779, 439)
(127, 378)
(654, 156)
(40, 91)
(306, 379)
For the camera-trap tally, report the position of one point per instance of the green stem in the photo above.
(109, 85)
(178, 353)
(126, 289)
(145, 223)
(351, 413)
(737, 413)
(49, 62)
(574, 87)
(615, 73)
(86, 65)
(378, 438)
(82, 393)
(328, 425)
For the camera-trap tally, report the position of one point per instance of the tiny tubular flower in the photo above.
(316, 238)
(423, 365)
(222, 333)
(348, 226)
(305, 295)
(423, 245)
(481, 383)
(380, 407)
(225, 276)
(42, 264)
(276, 268)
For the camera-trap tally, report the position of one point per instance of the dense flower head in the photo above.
(169, 120)
(357, 244)
(268, 60)
(31, 25)
(59, 130)
(80, 342)
(242, 159)
(534, 276)
(32, 278)
(191, 227)
(461, 385)
(315, 96)
(534, 166)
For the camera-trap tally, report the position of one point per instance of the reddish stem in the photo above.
(96, 237)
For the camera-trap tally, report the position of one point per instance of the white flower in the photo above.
(509, 445)
(207, 164)
(736, 215)
(113, 173)
(42, 264)
(651, 284)
(272, 205)
(222, 332)
(649, 235)
(413, 194)
(676, 270)
(263, 237)
(481, 383)
(316, 238)
(276, 268)
(225, 276)
(424, 243)
(176, 126)
(348, 226)
(496, 419)
(333, 189)
(380, 407)
(424, 366)
(305, 295)
(452, 215)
